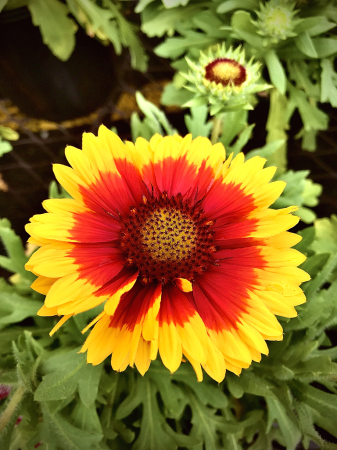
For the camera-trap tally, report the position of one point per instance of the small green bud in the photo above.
(223, 80)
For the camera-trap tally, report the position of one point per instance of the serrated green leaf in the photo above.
(63, 382)
(197, 123)
(152, 434)
(101, 19)
(325, 235)
(315, 369)
(289, 428)
(58, 431)
(57, 29)
(276, 71)
(313, 118)
(16, 259)
(129, 38)
(251, 383)
(86, 418)
(205, 425)
(317, 399)
(328, 83)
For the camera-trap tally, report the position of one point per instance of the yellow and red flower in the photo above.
(181, 246)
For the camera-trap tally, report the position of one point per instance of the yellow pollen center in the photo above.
(226, 71)
(167, 238)
(169, 235)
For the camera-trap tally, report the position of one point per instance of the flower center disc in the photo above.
(167, 238)
(225, 71)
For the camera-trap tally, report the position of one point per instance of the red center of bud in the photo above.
(167, 238)
(226, 71)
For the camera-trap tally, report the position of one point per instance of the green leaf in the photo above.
(276, 71)
(153, 431)
(16, 259)
(15, 307)
(88, 382)
(57, 29)
(58, 432)
(313, 118)
(244, 29)
(155, 120)
(3, 4)
(325, 235)
(129, 38)
(197, 123)
(177, 46)
(328, 83)
(289, 429)
(241, 141)
(100, 19)
(9, 133)
(157, 21)
(5, 147)
(229, 5)
(298, 191)
(28, 354)
(173, 95)
(233, 123)
(86, 418)
(317, 399)
(64, 379)
(210, 24)
(315, 369)
(266, 151)
(251, 383)
(306, 45)
(205, 425)
(325, 47)
(314, 25)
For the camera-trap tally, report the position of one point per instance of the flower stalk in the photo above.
(11, 407)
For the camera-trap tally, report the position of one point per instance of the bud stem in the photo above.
(217, 128)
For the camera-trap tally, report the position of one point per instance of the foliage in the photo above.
(104, 20)
(298, 60)
(65, 404)
(7, 134)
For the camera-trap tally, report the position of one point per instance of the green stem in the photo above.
(217, 128)
(11, 407)
(277, 124)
